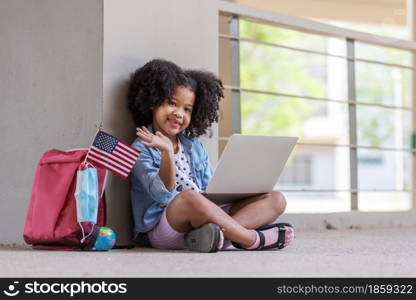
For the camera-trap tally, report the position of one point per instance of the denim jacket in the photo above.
(149, 196)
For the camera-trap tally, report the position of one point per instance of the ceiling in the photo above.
(376, 12)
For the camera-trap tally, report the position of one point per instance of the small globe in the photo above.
(105, 240)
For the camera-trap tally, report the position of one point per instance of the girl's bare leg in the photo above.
(189, 209)
(257, 211)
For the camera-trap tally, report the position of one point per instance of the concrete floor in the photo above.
(325, 253)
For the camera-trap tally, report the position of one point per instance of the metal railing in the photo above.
(236, 11)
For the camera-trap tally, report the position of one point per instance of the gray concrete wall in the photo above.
(136, 31)
(50, 91)
(60, 60)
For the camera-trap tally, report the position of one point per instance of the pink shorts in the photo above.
(163, 236)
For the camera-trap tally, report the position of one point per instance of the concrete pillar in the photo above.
(65, 65)
(50, 92)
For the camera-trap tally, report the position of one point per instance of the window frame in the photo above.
(236, 11)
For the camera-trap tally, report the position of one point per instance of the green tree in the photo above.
(278, 70)
(286, 71)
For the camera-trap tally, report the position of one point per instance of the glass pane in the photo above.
(290, 72)
(292, 38)
(308, 202)
(384, 201)
(382, 84)
(312, 121)
(316, 168)
(383, 170)
(383, 127)
(383, 54)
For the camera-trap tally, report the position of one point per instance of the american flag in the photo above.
(112, 154)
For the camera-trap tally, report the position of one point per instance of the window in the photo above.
(298, 172)
(347, 101)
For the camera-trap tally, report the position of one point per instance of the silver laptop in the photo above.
(250, 165)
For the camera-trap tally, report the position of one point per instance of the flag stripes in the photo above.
(113, 154)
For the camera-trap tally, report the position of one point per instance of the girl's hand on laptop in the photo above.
(158, 140)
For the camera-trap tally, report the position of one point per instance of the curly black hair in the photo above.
(156, 81)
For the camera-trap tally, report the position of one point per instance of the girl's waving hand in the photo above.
(157, 140)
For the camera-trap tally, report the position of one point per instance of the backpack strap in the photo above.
(93, 237)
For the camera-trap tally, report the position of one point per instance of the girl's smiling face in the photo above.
(174, 115)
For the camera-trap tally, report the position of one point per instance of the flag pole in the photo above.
(100, 127)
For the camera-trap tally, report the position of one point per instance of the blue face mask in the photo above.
(86, 196)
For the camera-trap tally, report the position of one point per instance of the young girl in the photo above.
(171, 109)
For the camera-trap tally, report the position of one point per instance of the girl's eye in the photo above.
(187, 110)
(171, 103)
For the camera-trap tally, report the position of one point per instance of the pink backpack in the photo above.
(51, 221)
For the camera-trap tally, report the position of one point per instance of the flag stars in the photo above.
(105, 152)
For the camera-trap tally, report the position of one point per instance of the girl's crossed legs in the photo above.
(190, 209)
